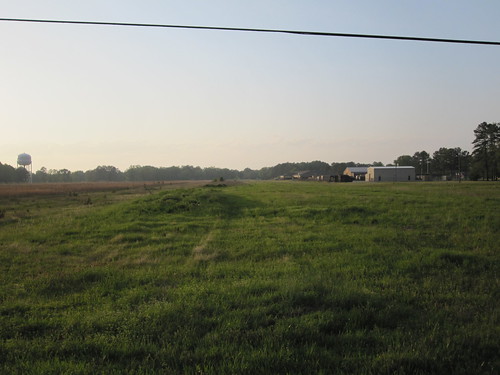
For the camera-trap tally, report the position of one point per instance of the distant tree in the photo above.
(230, 174)
(188, 172)
(41, 175)
(464, 162)
(282, 169)
(377, 164)
(7, 173)
(420, 160)
(450, 162)
(132, 173)
(150, 173)
(266, 173)
(63, 175)
(486, 152)
(249, 174)
(443, 161)
(170, 173)
(21, 175)
(288, 169)
(77, 176)
(404, 160)
(104, 173)
(320, 167)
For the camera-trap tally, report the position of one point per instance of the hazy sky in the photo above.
(77, 96)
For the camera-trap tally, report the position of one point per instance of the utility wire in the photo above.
(296, 32)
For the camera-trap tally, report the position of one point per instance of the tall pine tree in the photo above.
(486, 151)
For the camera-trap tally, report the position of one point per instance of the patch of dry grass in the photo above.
(200, 252)
(21, 190)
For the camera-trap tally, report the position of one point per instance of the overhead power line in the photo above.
(296, 32)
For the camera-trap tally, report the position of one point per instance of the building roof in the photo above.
(305, 173)
(358, 169)
(395, 167)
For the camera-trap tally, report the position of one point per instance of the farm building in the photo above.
(303, 175)
(391, 174)
(309, 176)
(358, 173)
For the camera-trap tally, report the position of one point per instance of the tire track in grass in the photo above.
(201, 253)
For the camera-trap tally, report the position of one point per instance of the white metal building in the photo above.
(391, 174)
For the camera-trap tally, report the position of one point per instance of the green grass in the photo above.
(276, 277)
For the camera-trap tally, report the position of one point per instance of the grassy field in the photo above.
(255, 278)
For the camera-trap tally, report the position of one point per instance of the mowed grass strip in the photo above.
(270, 277)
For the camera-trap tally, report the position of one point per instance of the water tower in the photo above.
(24, 160)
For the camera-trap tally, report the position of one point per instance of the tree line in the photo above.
(9, 174)
(454, 163)
(187, 172)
